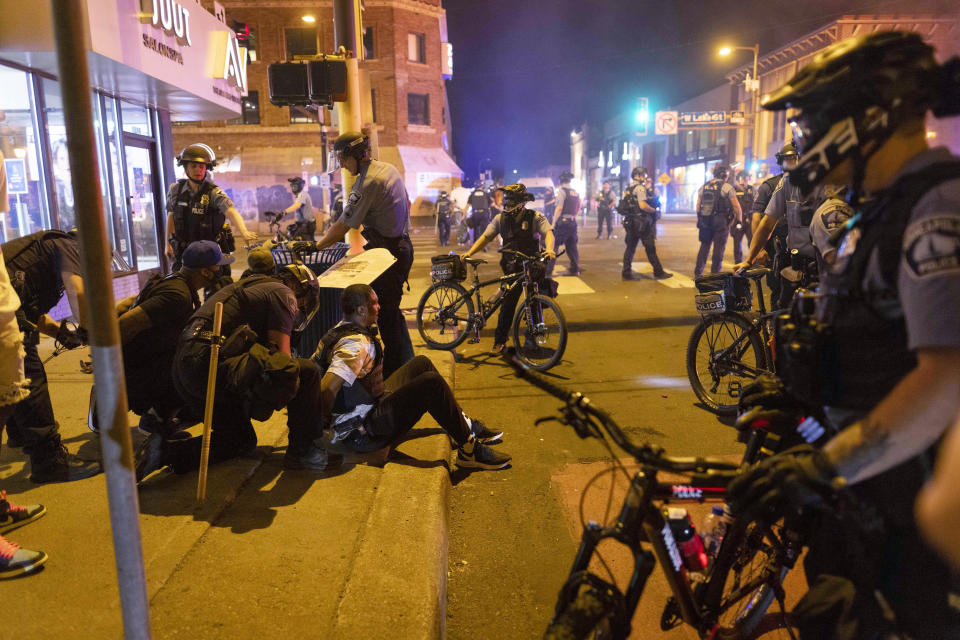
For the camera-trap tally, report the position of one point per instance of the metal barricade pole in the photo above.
(69, 32)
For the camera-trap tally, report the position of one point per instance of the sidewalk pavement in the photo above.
(359, 552)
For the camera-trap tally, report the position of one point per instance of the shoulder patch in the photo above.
(932, 246)
(354, 198)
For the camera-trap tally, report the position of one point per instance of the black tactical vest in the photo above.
(365, 390)
(443, 207)
(571, 203)
(518, 233)
(866, 351)
(194, 216)
(34, 272)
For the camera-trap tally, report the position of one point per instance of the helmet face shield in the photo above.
(333, 161)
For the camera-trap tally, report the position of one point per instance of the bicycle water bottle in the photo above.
(713, 529)
(688, 542)
(496, 297)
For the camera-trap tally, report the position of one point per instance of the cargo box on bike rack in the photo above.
(723, 292)
(446, 267)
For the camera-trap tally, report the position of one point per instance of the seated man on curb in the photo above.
(368, 412)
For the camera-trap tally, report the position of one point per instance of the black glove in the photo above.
(765, 402)
(782, 484)
(68, 338)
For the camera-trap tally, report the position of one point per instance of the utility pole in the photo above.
(347, 34)
(69, 27)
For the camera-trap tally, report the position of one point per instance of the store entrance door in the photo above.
(141, 172)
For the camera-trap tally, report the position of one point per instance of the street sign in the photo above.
(324, 180)
(737, 117)
(666, 123)
(664, 179)
(702, 118)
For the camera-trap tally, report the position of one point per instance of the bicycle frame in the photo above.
(641, 521)
(512, 280)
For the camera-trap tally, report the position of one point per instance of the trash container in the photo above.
(304, 343)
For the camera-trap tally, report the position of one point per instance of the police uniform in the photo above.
(521, 232)
(306, 223)
(253, 380)
(379, 202)
(829, 217)
(894, 289)
(199, 215)
(788, 205)
(605, 202)
(778, 237)
(168, 302)
(640, 227)
(35, 263)
(565, 229)
(742, 228)
(479, 212)
(443, 220)
(550, 205)
(714, 226)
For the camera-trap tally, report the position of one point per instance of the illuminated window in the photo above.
(417, 48)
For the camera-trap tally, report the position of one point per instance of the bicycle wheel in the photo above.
(721, 359)
(444, 315)
(540, 339)
(748, 573)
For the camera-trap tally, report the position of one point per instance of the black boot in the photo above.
(53, 463)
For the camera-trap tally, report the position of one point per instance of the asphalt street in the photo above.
(513, 533)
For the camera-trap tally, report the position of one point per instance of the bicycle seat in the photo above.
(754, 272)
(474, 261)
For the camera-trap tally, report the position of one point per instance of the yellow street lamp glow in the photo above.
(308, 18)
(725, 51)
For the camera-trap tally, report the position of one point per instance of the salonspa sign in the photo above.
(227, 59)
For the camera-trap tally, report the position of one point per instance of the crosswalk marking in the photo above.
(571, 285)
(678, 281)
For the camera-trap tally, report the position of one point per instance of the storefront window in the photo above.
(111, 183)
(136, 119)
(59, 158)
(20, 149)
(143, 209)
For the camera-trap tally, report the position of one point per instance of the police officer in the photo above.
(443, 218)
(565, 230)
(796, 209)
(478, 213)
(523, 230)
(306, 223)
(886, 326)
(197, 209)
(549, 204)
(256, 374)
(637, 207)
(379, 202)
(150, 324)
(777, 243)
(744, 191)
(42, 267)
(717, 209)
(829, 217)
(605, 200)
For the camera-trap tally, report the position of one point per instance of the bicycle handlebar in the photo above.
(524, 256)
(576, 403)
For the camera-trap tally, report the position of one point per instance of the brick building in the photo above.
(405, 60)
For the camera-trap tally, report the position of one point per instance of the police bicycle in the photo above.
(730, 597)
(447, 314)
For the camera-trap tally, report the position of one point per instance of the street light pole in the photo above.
(755, 82)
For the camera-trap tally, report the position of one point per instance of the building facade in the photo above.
(687, 157)
(404, 63)
(150, 63)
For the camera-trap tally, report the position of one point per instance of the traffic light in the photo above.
(643, 116)
(302, 84)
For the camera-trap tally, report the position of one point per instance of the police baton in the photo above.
(208, 404)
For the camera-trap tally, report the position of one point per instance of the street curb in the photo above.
(403, 546)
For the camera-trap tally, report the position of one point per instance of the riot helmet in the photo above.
(514, 197)
(566, 177)
(788, 150)
(351, 144)
(303, 282)
(742, 174)
(855, 94)
(198, 152)
(296, 184)
(721, 171)
(638, 173)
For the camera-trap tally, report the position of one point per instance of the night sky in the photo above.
(527, 71)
